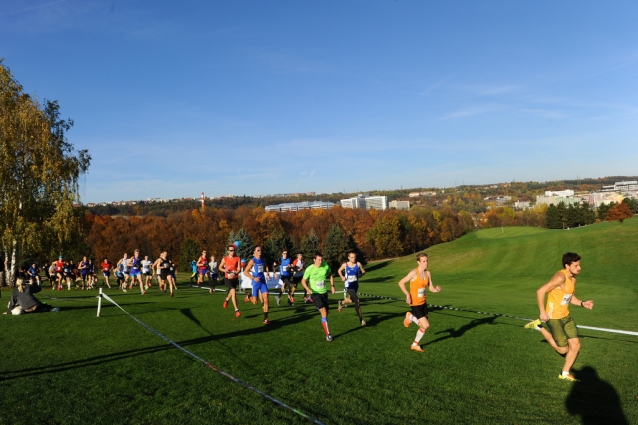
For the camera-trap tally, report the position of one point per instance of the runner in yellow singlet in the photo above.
(420, 279)
(563, 333)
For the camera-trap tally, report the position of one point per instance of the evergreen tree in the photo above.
(353, 247)
(553, 218)
(277, 242)
(335, 250)
(562, 213)
(190, 251)
(572, 215)
(603, 210)
(589, 216)
(246, 247)
(309, 245)
(633, 206)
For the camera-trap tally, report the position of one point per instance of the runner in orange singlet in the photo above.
(563, 333)
(230, 267)
(420, 280)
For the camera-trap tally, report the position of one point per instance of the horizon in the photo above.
(256, 98)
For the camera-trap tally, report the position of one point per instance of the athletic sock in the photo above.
(415, 320)
(419, 335)
(565, 373)
(324, 323)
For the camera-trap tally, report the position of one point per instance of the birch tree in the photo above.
(39, 175)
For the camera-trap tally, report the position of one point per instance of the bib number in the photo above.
(352, 278)
(260, 269)
(566, 299)
(421, 292)
(320, 284)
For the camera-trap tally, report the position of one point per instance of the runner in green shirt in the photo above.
(314, 282)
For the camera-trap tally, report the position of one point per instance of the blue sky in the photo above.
(175, 98)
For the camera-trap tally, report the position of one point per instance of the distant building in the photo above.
(521, 205)
(400, 205)
(377, 203)
(358, 201)
(500, 200)
(296, 206)
(564, 193)
(416, 194)
(625, 186)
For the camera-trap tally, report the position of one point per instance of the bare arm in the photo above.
(332, 283)
(249, 267)
(304, 282)
(340, 272)
(402, 282)
(362, 269)
(222, 265)
(432, 287)
(589, 304)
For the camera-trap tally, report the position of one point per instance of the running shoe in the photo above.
(225, 303)
(237, 313)
(278, 299)
(247, 299)
(266, 322)
(340, 307)
(290, 302)
(54, 309)
(407, 320)
(533, 324)
(124, 290)
(143, 292)
(363, 323)
(329, 338)
(567, 377)
(171, 294)
(210, 291)
(308, 300)
(416, 348)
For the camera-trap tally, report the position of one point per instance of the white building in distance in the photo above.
(366, 201)
(296, 206)
(562, 193)
(400, 205)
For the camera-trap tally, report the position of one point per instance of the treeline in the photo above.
(374, 234)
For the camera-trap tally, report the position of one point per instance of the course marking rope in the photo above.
(618, 331)
(215, 368)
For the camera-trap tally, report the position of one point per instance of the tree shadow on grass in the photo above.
(111, 357)
(377, 266)
(457, 333)
(594, 400)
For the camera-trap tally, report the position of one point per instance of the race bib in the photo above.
(320, 284)
(352, 278)
(284, 268)
(421, 292)
(260, 269)
(566, 299)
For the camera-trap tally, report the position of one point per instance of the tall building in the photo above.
(296, 206)
(358, 201)
(377, 203)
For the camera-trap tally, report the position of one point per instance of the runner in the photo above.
(194, 270)
(297, 275)
(349, 273)
(158, 274)
(202, 267)
(83, 269)
(119, 278)
(69, 273)
(255, 270)
(91, 273)
(50, 271)
(563, 333)
(230, 267)
(166, 267)
(123, 266)
(135, 264)
(106, 271)
(147, 271)
(59, 273)
(314, 282)
(213, 275)
(34, 274)
(420, 279)
(285, 274)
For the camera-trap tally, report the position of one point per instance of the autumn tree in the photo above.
(39, 175)
(619, 212)
(386, 237)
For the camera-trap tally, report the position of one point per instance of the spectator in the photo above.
(23, 301)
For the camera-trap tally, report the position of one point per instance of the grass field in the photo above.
(71, 367)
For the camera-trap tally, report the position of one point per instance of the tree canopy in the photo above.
(39, 174)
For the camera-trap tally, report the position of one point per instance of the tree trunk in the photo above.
(10, 270)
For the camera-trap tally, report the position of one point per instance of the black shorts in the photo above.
(320, 300)
(286, 281)
(231, 283)
(353, 294)
(164, 274)
(420, 311)
(149, 273)
(296, 280)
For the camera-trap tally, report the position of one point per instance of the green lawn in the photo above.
(71, 367)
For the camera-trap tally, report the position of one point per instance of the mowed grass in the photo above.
(72, 367)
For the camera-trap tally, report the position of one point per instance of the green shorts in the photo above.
(562, 330)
